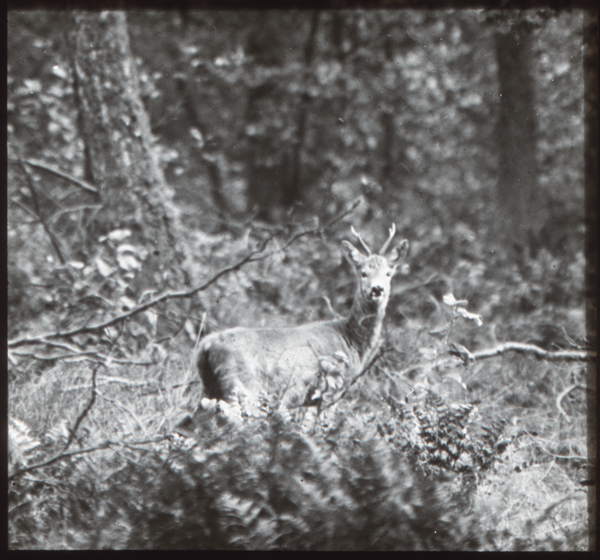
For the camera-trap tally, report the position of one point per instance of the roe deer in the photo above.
(287, 361)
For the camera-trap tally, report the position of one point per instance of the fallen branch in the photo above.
(548, 511)
(540, 353)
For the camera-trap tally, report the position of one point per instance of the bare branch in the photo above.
(59, 457)
(375, 355)
(522, 348)
(84, 411)
(537, 442)
(151, 303)
(331, 309)
(250, 257)
(317, 230)
(36, 207)
(45, 167)
(124, 408)
(547, 512)
(563, 394)
(89, 355)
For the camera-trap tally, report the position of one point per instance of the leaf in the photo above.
(127, 303)
(457, 377)
(116, 235)
(129, 262)
(450, 300)
(428, 353)
(104, 268)
(438, 335)
(33, 86)
(60, 72)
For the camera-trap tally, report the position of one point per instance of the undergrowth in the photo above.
(419, 473)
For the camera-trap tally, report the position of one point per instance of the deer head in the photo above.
(375, 271)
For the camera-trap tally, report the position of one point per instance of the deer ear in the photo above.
(354, 256)
(398, 253)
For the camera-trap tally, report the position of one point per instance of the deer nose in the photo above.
(376, 291)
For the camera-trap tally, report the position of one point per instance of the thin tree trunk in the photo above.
(518, 196)
(293, 190)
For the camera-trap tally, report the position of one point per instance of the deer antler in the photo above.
(362, 241)
(389, 240)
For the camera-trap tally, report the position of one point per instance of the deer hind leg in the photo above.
(223, 373)
(213, 388)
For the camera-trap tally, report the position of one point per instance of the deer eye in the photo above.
(389, 273)
(363, 274)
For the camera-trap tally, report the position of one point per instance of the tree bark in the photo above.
(293, 190)
(116, 130)
(518, 198)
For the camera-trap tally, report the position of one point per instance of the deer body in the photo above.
(287, 361)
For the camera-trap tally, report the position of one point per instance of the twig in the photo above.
(522, 348)
(317, 230)
(104, 445)
(44, 166)
(250, 257)
(27, 209)
(536, 441)
(58, 457)
(85, 410)
(331, 309)
(130, 412)
(570, 340)
(74, 209)
(90, 356)
(546, 513)
(432, 278)
(376, 355)
(36, 208)
(563, 394)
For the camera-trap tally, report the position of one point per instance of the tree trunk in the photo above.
(268, 155)
(518, 197)
(116, 131)
(293, 190)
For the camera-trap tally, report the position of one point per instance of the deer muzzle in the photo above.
(376, 292)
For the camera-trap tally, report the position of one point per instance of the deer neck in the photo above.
(364, 324)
